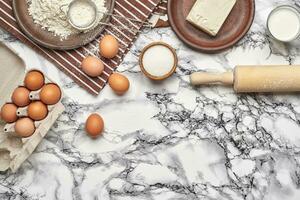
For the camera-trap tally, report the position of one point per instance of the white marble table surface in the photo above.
(169, 140)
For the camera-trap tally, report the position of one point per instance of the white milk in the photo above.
(158, 60)
(284, 24)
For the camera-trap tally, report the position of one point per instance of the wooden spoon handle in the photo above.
(203, 78)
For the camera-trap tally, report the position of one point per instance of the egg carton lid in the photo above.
(12, 72)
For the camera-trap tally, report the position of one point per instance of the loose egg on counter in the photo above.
(34, 80)
(92, 66)
(20, 97)
(24, 127)
(118, 83)
(109, 46)
(94, 125)
(37, 111)
(50, 94)
(9, 113)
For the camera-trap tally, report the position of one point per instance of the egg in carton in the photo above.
(14, 150)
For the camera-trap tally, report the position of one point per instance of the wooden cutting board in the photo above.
(48, 39)
(235, 27)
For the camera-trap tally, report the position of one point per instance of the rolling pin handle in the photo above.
(203, 78)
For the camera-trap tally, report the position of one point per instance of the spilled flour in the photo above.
(52, 15)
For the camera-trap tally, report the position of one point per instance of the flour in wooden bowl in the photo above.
(52, 15)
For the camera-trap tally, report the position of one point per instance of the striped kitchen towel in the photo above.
(161, 8)
(69, 61)
(160, 18)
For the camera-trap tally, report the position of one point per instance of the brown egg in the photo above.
(50, 94)
(119, 83)
(9, 113)
(24, 127)
(94, 125)
(20, 97)
(109, 46)
(34, 80)
(92, 66)
(37, 111)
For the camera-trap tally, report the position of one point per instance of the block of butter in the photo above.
(209, 15)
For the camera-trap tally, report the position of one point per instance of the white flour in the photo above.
(82, 14)
(158, 60)
(51, 15)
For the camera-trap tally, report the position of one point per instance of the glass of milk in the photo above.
(284, 23)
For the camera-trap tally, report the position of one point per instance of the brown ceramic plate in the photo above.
(48, 39)
(235, 27)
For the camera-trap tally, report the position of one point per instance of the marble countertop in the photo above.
(169, 140)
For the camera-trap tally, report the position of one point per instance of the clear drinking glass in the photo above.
(270, 23)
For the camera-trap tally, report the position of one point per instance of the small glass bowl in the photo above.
(295, 10)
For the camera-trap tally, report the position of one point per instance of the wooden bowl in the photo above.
(47, 39)
(158, 78)
(233, 30)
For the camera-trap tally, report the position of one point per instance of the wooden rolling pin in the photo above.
(254, 78)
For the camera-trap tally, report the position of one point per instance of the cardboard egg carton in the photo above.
(14, 150)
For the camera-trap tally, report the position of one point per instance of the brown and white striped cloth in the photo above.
(160, 13)
(161, 9)
(69, 61)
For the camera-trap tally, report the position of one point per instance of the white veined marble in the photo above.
(170, 141)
